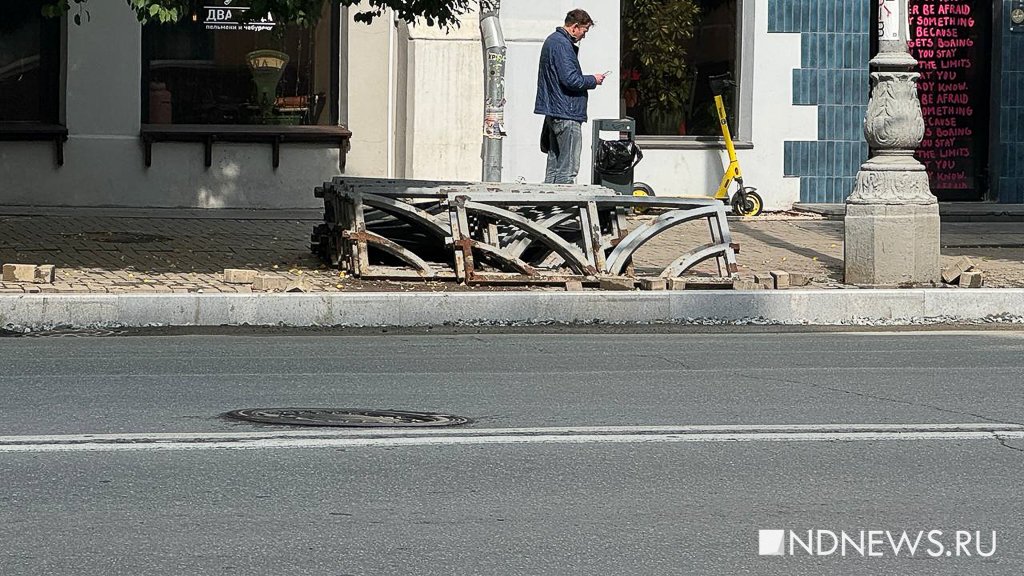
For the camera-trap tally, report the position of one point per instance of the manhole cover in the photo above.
(345, 417)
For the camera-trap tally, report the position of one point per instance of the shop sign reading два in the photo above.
(228, 16)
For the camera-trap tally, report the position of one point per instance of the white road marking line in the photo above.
(465, 431)
(479, 436)
(1015, 369)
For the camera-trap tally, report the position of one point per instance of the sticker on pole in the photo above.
(889, 20)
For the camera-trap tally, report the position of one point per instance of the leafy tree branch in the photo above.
(441, 13)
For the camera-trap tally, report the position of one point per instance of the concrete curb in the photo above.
(817, 307)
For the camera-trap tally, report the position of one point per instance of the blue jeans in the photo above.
(565, 143)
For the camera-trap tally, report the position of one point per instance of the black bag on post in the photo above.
(618, 156)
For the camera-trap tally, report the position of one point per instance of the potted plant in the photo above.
(656, 80)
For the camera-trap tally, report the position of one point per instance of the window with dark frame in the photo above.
(670, 49)
(215, 68)
(30, 48)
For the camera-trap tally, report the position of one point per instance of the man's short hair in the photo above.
(578, 16)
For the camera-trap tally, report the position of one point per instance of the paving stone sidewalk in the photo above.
(149, 251)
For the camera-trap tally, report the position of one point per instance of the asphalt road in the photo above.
(619, 454)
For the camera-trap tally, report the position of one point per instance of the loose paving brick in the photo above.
(616, 283)
(19, 272)
(676, 284)
(971, 279)
(765, 280)
(747, 284)
(950, 274)
(780, 278)
(799, 279)
(265, 282)
(653, 283)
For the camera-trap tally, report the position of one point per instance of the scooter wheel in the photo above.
(747, 202)
(641, 189)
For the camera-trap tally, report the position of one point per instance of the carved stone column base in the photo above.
(892, 180)
(892, 244)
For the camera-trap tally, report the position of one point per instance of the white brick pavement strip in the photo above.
(410, 309)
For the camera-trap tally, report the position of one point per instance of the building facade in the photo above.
(215, 112)
(970, 86)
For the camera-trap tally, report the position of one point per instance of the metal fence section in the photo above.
(493, 233)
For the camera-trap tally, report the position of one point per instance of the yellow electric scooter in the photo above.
(745, 201)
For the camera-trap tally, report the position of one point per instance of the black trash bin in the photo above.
(615, 159)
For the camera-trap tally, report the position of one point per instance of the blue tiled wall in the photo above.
(1011, 118)
(833, 75)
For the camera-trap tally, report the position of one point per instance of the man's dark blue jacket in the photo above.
(561, 85)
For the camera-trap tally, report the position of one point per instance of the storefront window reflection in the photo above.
(29, 63)
(669, 51)
(216, 68)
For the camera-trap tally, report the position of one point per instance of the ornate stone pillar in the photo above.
(892, 218)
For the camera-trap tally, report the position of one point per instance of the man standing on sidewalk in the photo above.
(562, 97)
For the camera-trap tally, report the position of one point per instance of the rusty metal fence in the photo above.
(503, 233)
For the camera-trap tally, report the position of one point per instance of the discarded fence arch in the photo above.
(498, 233)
